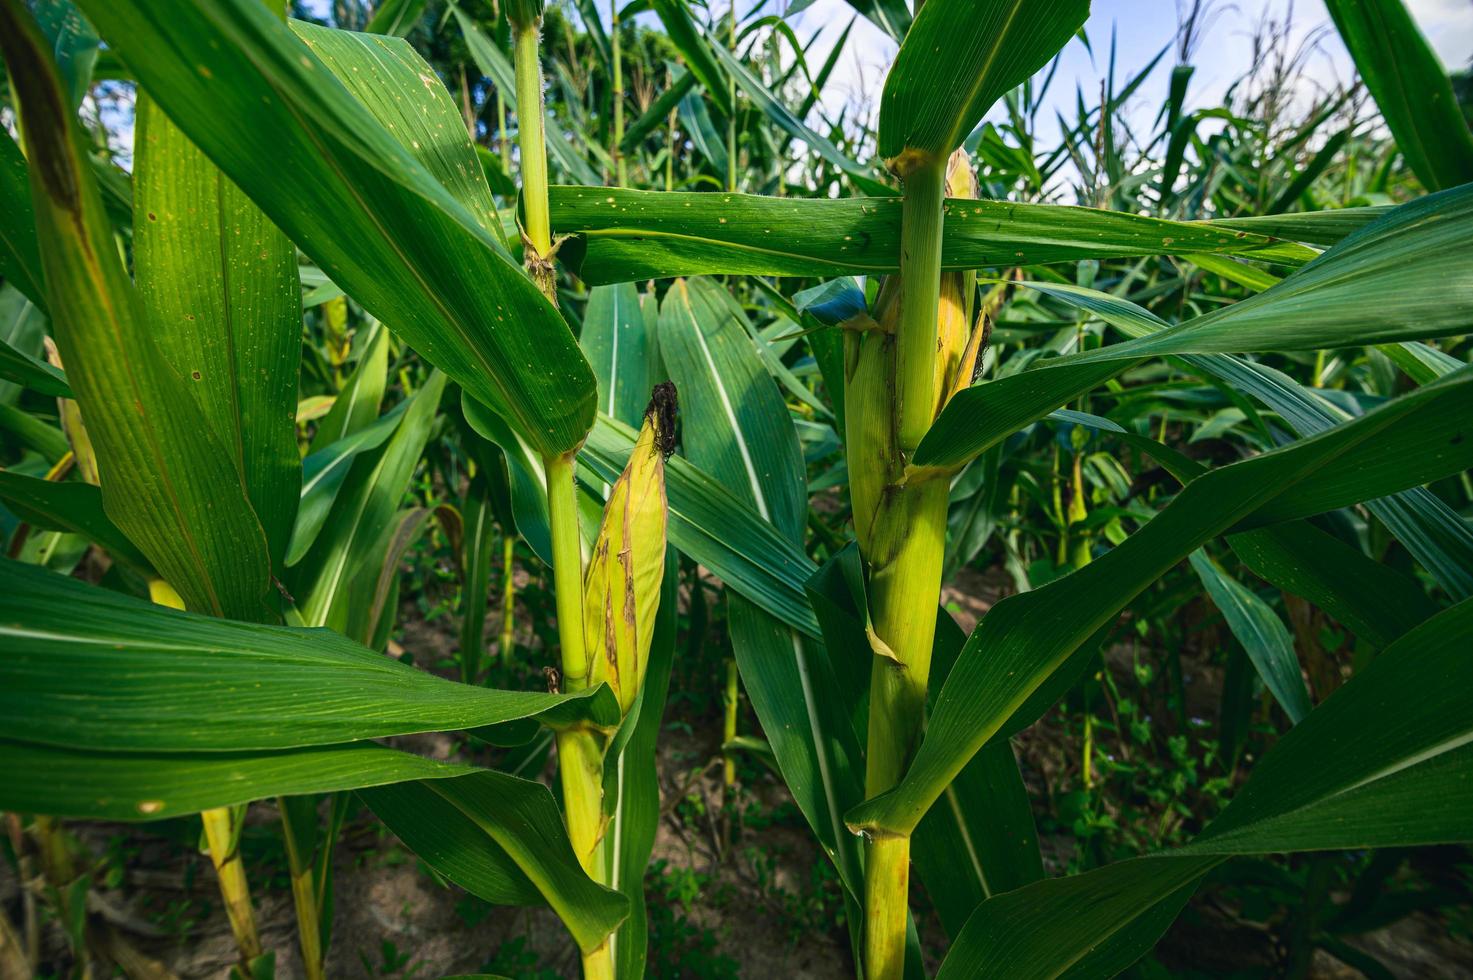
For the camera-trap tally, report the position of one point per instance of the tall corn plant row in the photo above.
(356, 481)
(359, 178)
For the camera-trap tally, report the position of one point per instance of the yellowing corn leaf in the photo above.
(622, 591)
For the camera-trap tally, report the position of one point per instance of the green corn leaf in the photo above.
(167, 482)
(219, 284)
(357, 404)
(68, 506)
(1312, 171)
(323, 475)
(1405, 442)
(703, 133)
(361, 515)
(1420, 362)
(593, 23)
(1399, 788)
(350, 427)
(527, 477)
(18, 367)
(1311, 227)
(825, 72)
(495, 835)
(735, 423)
(1087, 925)
(1309, 794)
(737, 427)
(622, 352)
(1180, 128)
(784, 119)
(476, 553)
(695, 49)
(74, 44)
(375, 587)
(980, 840)
(83, 664)
(628, 235)
(960, 57)
(20, 253)
(890, 16)
(1375, 600)
(33, 433)
(1436, 536)
(1260, 631)
(1410, 88)
(22, 330)
(396, 17)
(1397, 279)
(96, 785)
(402, 227)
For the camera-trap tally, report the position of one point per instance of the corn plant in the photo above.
(177, 326)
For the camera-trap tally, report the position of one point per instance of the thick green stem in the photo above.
(886, 881)
(905, 585)
(729, 726)
(906, 548)
(920, 301)
(909, 545)
(309, 930)
(220, 833)
(567, 570)
(621, 166)
(304, 893)
(531, 138)
(580, 751)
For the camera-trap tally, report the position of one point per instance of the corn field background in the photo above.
(505, 488)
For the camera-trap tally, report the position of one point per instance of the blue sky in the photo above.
(1142, 28)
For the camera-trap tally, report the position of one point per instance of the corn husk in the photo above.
(869, 408)
(621, 592)
(954, 312)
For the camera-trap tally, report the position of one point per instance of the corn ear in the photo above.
(621, 593)
(954, 312)
(870, 406)
(869, 409)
